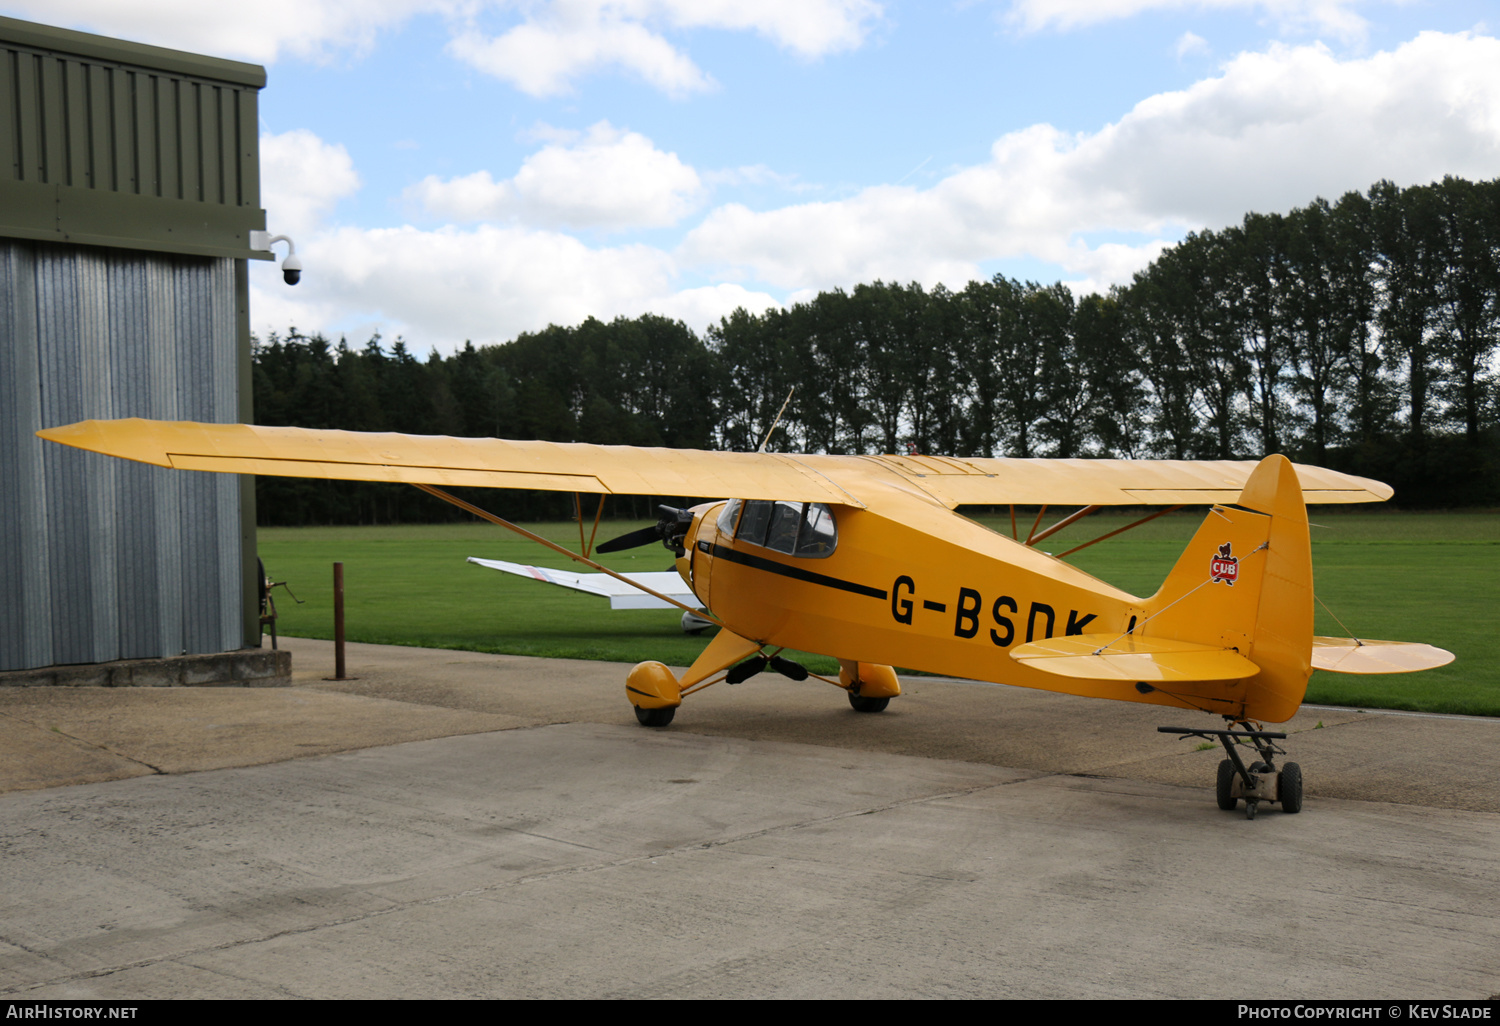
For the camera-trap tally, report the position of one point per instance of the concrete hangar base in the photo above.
(458, 825)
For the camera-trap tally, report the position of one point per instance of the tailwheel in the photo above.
(1225, 789)
(870, 705)
(1258, 782)
(655, 717)
(1289, 787)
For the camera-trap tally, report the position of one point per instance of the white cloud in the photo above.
(1275, 130)
(1191, 43)
(608, 179)
(887, 232)
(756, 174)
(700, 307)
(543, 59)
(488, 283)
(1336, 18)
(277, 307)
(441, 288)
(1280, 127)
(560, 41)
(302, 179)
(555, 41)
(810, 28)
(260, 31)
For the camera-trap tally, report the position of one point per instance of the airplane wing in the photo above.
(580, 467)
(620, 594)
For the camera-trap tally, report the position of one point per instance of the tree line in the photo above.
(1360, 335)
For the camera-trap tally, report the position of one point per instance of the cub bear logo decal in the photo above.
(1224, 567)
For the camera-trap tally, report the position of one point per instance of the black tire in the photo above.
(1227, 800)
(655, 717)
(862, 704)
(1289, 787)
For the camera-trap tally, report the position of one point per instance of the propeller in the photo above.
(669, 529)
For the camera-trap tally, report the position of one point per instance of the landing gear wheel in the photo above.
(655, 717)
(862, 704)
(1250, 806)
(1289, 788)
(1227, 800)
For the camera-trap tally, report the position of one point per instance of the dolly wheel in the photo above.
(1227, 800)
(1289, 787)
(862, 704)
(655, 717)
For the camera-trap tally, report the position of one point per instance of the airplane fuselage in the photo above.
(931, 589)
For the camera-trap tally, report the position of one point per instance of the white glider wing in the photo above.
(620, 594)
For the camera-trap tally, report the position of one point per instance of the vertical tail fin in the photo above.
(1245, 582)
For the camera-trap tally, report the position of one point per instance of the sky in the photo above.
(468, 170)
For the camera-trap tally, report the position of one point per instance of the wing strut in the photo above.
(469, 507)
(1038, 523)
(587, 547)
(1036, 539)
(1121, 530)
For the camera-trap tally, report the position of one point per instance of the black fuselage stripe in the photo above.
(797, 573)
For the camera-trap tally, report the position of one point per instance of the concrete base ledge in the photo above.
(248, 667)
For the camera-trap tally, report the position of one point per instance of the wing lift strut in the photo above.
(1035, 537)
(1258, 782)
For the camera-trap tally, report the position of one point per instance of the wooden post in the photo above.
(338, 621)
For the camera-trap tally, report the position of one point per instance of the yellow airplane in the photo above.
(863, 558)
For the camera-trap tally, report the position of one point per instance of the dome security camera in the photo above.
(291, 267)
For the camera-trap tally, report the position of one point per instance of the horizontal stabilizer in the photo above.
(620, 594)
(1351, 655)
(1155, 660)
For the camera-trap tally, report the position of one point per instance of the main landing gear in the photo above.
(1259, 782)
(656, 692)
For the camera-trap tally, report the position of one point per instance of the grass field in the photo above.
(1432, 577)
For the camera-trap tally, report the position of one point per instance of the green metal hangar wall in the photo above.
(129, 189)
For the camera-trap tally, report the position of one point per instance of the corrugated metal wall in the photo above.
(101, 559)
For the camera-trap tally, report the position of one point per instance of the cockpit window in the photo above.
(786, 517)
(797, 528)
(818, 536)
(754, 520)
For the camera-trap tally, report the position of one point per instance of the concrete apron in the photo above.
(971, 841)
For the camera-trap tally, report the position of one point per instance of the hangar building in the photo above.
(129, 189)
